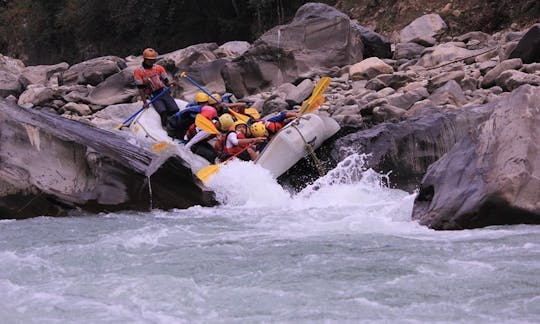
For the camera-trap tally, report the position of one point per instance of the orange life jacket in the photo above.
(151, 79)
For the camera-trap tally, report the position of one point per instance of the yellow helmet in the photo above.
(201, 97)
(238, 123)
(215, 95)
(150, 54)
(226, 121)
(258, 129)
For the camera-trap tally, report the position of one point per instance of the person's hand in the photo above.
(145, 104)
(173, 84)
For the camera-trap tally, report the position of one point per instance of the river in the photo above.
(344, 250)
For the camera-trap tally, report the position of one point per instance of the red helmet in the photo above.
(273, 127)
(209, 112)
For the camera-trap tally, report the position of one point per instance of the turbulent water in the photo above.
(343, 250)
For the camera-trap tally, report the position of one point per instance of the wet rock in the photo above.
(50, 165)
(408, 148)
(492, 176)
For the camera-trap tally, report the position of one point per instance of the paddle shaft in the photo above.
(184, 75)
(143, 107)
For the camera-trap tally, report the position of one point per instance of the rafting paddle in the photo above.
(142, 108)
(316, 96)
(205, 173)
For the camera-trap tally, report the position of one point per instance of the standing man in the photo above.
(151, 79)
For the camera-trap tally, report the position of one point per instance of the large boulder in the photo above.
(50, 165)
(117, 88)
(406, 149)
(528, 47)
(317, 39)
(423, 28)
(10, 71)
(40, 74)
(492, 176)
(206, 74)
(93, 71)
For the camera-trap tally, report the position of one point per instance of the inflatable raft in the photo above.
(289, 145)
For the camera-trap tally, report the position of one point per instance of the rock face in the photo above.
(318, 38)
(50, 165)
(408, 148)
(528, 48)
(492, 176)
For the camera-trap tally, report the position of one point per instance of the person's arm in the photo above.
(164, 76)
(137, 75)
(252, 140)
(201, 135)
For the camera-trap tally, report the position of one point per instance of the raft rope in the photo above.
(309, 149)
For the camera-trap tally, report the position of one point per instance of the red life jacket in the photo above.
(191, 131)
(235, 149)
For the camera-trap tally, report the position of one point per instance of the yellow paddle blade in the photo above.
(205, 173)
(315, 104)
(317, 92)
(239, 116)
(253, 113)
(206, 125)
(321, 86)
(160, 146)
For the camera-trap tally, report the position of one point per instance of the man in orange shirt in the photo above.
(151, 79)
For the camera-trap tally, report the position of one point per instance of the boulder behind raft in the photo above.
(50, 165)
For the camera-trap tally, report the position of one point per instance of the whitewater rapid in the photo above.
(343, 250)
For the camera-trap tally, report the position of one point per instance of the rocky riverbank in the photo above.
(455, 117)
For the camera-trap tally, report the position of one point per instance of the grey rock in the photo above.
(512, 79)
(316, 40)
(449, 94)
(408, 51)
(78, 108)
(93, 71)
(425, 26)
(301, 92)
(51, 165)
(443, 78)
(489, 78)
(528, 48)
(387, 112)
(40, 74)
(117, 88)
(492, 176)
(409, 147)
